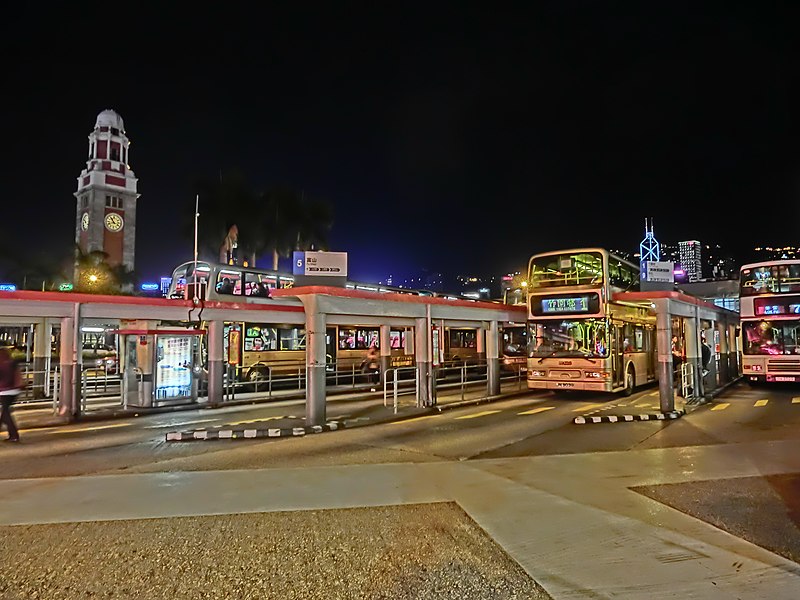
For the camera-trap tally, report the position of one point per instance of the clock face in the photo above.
(113, 222)
(85, 221)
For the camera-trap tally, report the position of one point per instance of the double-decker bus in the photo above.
(769, 306)
(582, 333)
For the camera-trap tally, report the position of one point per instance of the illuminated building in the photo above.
(691, 259)
(106, 198)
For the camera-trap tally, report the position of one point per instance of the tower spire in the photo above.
(649, 248)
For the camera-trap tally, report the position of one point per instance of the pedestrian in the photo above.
(705, 350)
(372, 365)
(11, 385)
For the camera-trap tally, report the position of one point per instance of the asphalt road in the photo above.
(764, 510)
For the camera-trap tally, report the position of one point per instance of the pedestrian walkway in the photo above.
(571, 521)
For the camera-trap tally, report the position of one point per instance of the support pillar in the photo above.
(710, 380)
(693, 354)
(724, 353)
(315, 367)
(43, 332)
(480, 345)
(408, 342)
(77, 362)
(216, 359)
(493, 360)
(666, 386)
(66, 387)
(386, 352)
(421, 335)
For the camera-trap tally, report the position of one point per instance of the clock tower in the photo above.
(106, 197)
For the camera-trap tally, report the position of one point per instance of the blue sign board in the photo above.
(299, 262)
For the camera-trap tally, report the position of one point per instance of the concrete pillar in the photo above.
(493, 360)
(77, 353)
(408, 338)
(710, 380)
(692, 329)
(386, 351)
(735, 352)
(315, 367)
(421, 334)
(724, 353)
(41, 358)
(216, 359)
(480, 345)
(66, 387)
(666, 387)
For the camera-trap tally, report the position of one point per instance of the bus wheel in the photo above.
(629, 381)
(256, 374)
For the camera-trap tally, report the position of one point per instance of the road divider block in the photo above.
(250, 433)
(675, 414)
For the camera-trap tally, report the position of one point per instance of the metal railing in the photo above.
(397, 390)
(687, 381)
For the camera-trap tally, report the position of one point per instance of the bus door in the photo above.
(652, 351)
(617, 358)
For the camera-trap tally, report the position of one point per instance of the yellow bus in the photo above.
(581, 336)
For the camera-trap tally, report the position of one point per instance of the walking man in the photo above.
(11, 385)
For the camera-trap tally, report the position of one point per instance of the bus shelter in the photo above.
(685, 325)
(160, 367)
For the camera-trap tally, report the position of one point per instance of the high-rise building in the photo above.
(106, 197)
(691, 254)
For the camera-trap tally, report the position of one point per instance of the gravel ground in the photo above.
(423, 551)
(762, 510)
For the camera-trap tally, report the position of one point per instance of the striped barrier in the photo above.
(675, 414)
(249, 434)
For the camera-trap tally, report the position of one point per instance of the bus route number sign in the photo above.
(568, 304)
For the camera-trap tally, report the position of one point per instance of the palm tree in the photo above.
(315, 223)
(223, 202)
(289, 221)
(280, 218)
(275, 222)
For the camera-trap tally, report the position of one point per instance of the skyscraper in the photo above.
(690, 253)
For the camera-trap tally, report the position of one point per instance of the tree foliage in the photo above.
(93, 274)
(272, 223)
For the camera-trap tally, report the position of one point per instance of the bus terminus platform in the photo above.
(163, 352)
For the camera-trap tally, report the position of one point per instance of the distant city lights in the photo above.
(150, 287)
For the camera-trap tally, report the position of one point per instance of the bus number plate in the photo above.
(564, 384)
(779, 378)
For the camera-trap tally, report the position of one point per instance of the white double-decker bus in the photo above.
(769, 306)
(582, 333)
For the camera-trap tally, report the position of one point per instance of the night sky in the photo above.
(446, 138)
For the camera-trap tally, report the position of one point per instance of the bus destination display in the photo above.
(571, 304)
(565, 304)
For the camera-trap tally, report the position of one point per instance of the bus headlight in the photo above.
(758, 367)
(537, 373)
